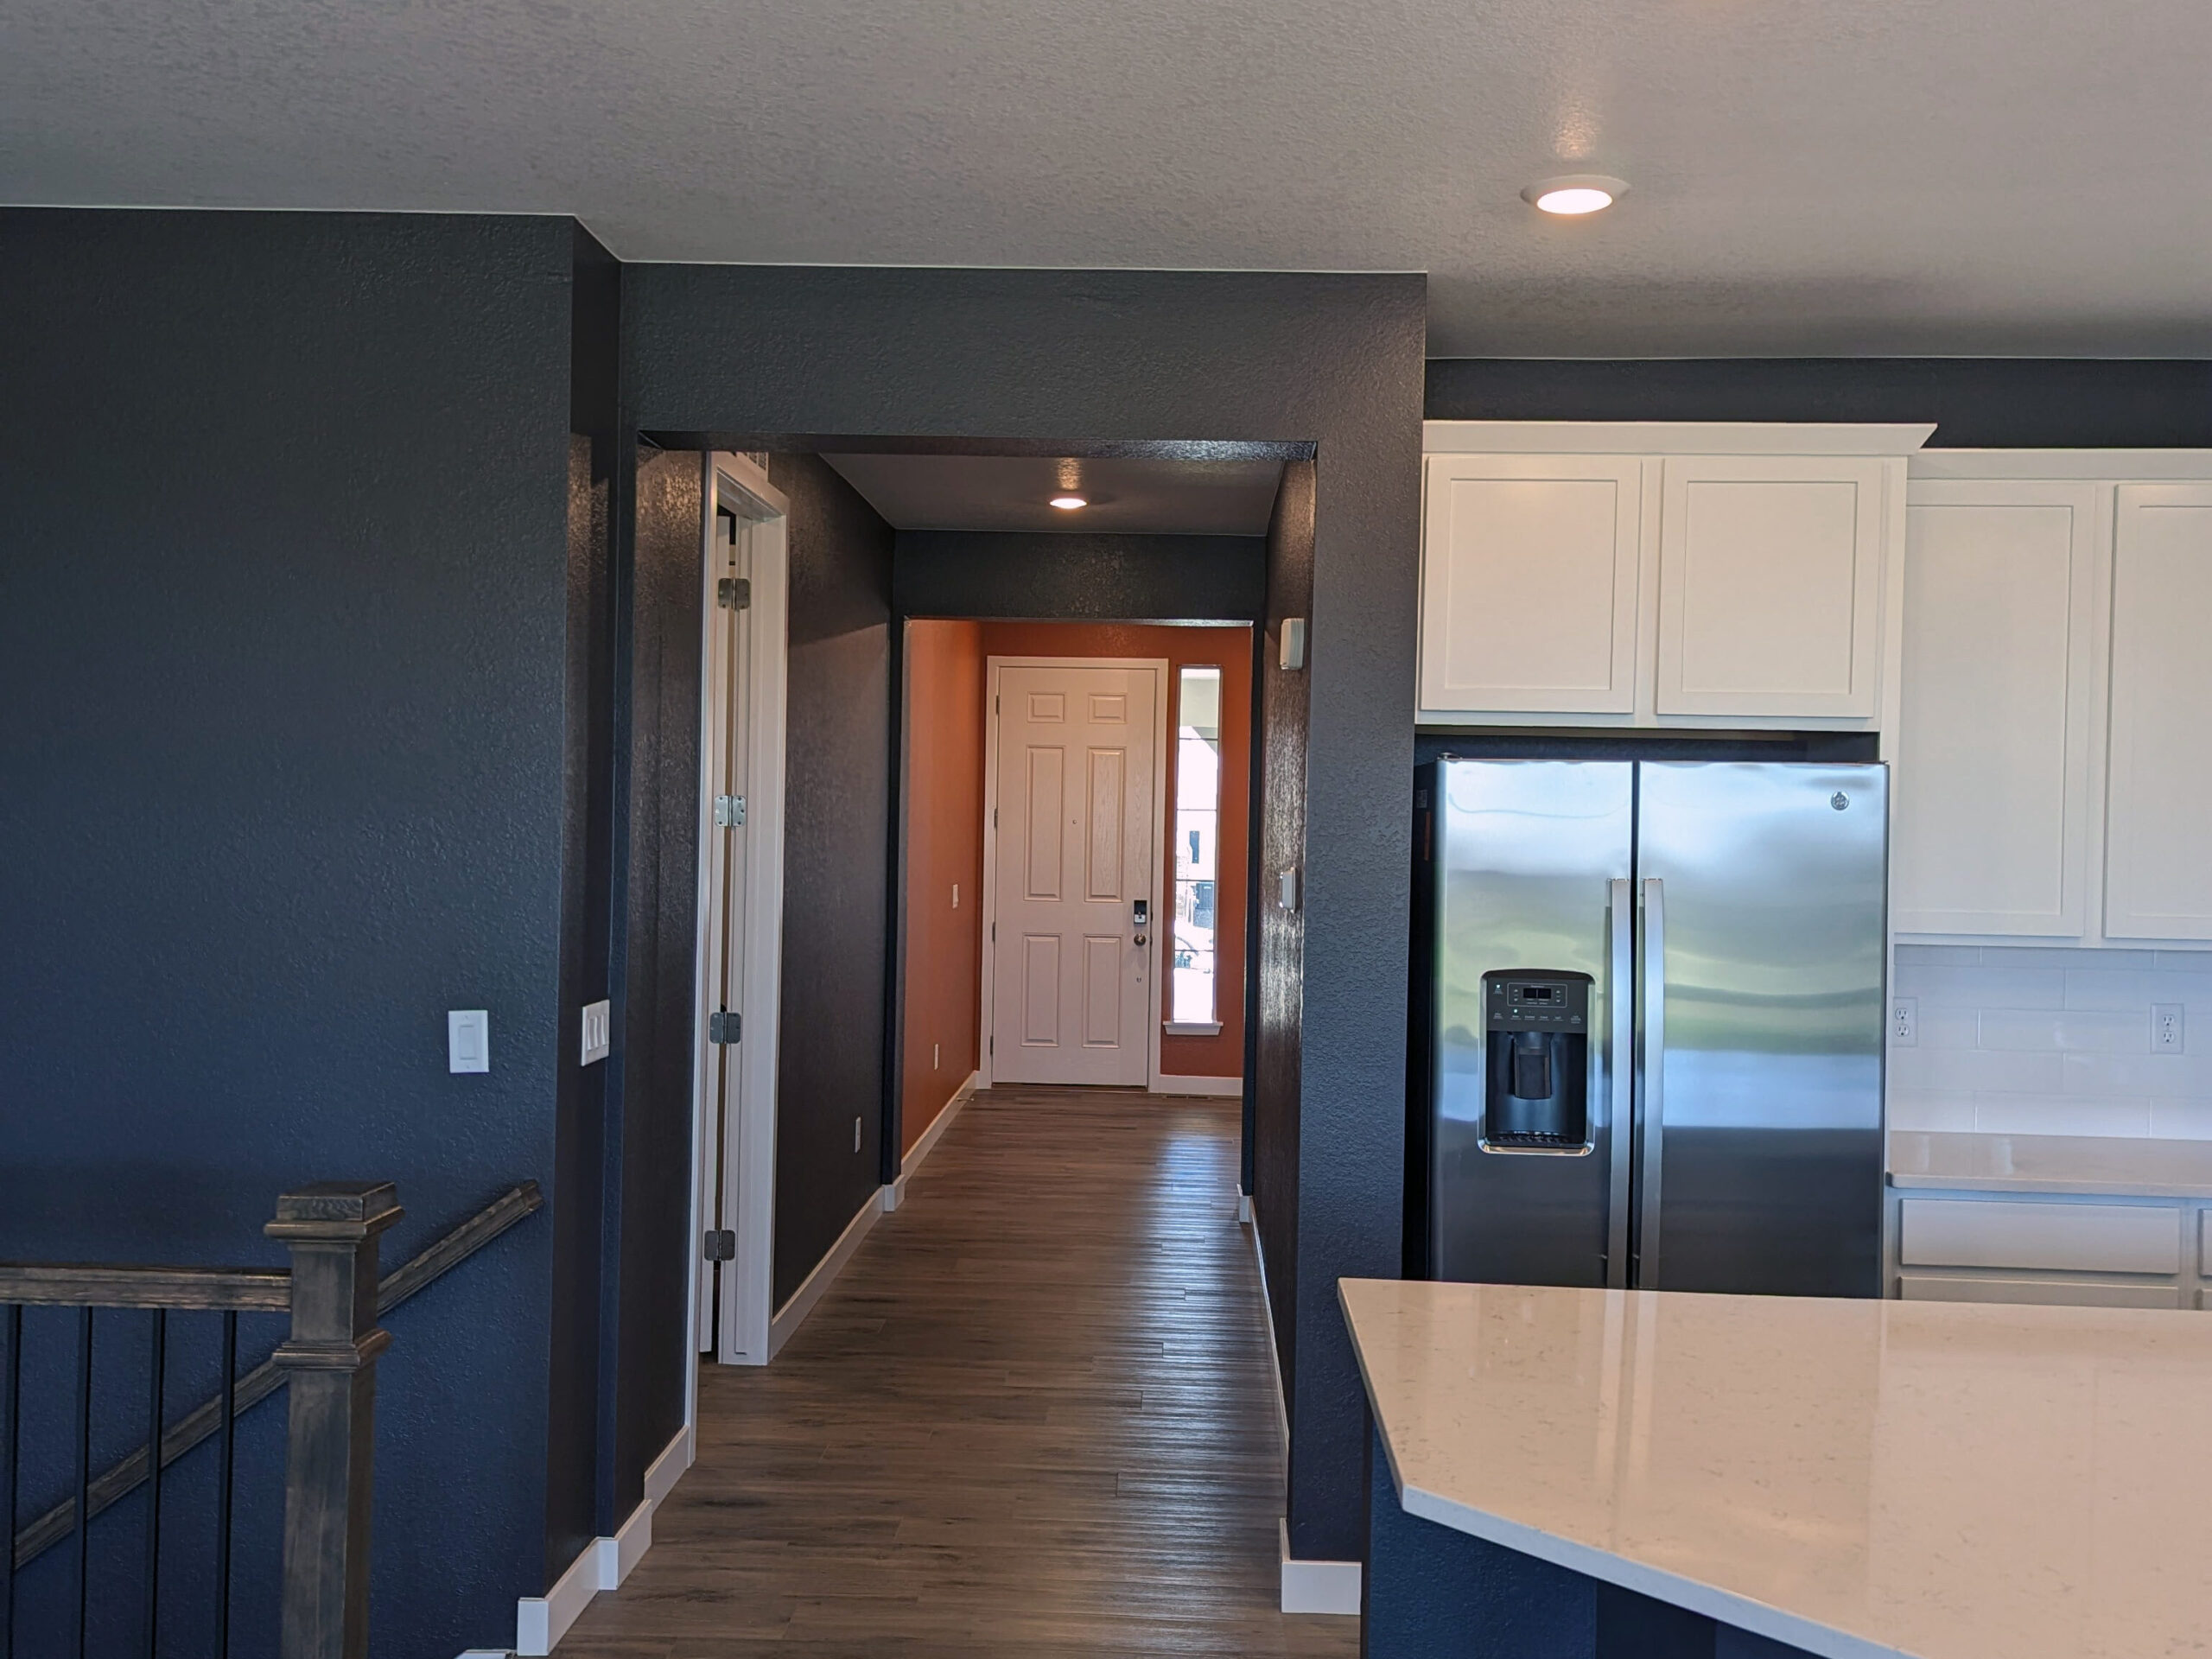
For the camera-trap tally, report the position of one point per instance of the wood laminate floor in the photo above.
(1035, 1416)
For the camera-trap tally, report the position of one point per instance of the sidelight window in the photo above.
(1198, 843)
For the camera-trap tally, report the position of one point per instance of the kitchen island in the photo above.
(1659, 1475)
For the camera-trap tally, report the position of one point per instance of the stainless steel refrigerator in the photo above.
(1656, 1022)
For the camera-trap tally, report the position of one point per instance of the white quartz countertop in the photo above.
(1940, 1479)
(2113, 1165)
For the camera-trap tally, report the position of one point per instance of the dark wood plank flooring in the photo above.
(1034, 1417)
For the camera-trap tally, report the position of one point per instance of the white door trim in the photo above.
(747, 1155)
(993, 665)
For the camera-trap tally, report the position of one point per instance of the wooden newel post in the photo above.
(331, 1227)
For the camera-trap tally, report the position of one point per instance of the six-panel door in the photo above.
(1071, 988)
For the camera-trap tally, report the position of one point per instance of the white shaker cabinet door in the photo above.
(2158, 803)
(1528, 584)
(1992, 802)
(1770, 585)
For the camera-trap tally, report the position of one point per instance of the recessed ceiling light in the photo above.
(1069, 503)
(1577, 193)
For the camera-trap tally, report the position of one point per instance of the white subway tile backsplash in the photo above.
(1913, 1109)
(2181, 1120)
(1938, 956)
(2060, 1114)
(1943, 1028)
(2102, 1031)
(1983, 987)
(2028, 1040)
(1974, 1070)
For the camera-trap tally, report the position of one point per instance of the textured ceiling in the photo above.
(1810, 176)
(1127, 497)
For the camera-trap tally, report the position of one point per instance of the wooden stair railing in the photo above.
(334, 1295)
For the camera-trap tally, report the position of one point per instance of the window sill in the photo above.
(1192, 1028)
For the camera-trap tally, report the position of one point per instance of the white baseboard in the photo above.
(895, 1194)
(1250, 1216)
(542, 1621)
(793, 1314)
(1306, 1586)
(1317, 1586)
(1168, 1084)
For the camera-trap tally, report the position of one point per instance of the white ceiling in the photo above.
(1809, 175)
(1143, 497)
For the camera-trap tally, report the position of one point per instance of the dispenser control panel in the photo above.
(1518, 1004)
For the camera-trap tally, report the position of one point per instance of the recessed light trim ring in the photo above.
(1573, 195)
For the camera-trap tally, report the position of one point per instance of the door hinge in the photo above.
(724, 1027)
(994, 817)
(729, 811)
(722, 1245)
(995, 932)
(990, 1046)
(734, 593)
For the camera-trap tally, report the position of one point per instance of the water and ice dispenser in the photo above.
(1536, 1082)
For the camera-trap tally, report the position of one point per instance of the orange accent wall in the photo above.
(1229, 650)
(942, 983)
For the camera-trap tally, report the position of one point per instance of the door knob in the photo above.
(1141, 939)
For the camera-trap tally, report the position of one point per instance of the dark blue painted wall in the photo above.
(282, 644)
(1977, 403)
(837, 717)
(753, 357)
(1066, 576)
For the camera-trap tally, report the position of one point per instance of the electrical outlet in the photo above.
(2166, 1028)
(1905, 1022)
(856, 1134)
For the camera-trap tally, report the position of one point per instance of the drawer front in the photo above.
(2054, 1292)
(2060, 1237)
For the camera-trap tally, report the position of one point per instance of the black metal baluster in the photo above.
(153, 1479)
(83, 1471)
(12, 1387)
(226, 1456)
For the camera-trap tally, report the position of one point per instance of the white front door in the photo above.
(1071, 991)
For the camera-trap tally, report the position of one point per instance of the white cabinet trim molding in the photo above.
(1672, 437)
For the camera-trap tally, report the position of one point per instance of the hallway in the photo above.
(1034, 1417)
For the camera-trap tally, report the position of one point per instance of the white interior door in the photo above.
(1075, 916)
(723, 966)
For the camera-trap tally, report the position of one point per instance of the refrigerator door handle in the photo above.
(1620, 1094)
(1650, 1068)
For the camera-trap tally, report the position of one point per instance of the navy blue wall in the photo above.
(785, 357)
(283, 636)
(1977, 403)
(830, 1045)
(1064, 576)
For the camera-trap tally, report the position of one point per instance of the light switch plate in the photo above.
(598, 1020)
(468, 1040)
(1292, 646)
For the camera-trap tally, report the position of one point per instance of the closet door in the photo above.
(1528, 584)
(2158, 803)
(1770, 585)
(1992, 789)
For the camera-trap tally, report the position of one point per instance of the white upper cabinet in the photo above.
(1529, 583)
(1770, 585)
(2158, 803)
(1991, 799)
(1686, 574)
